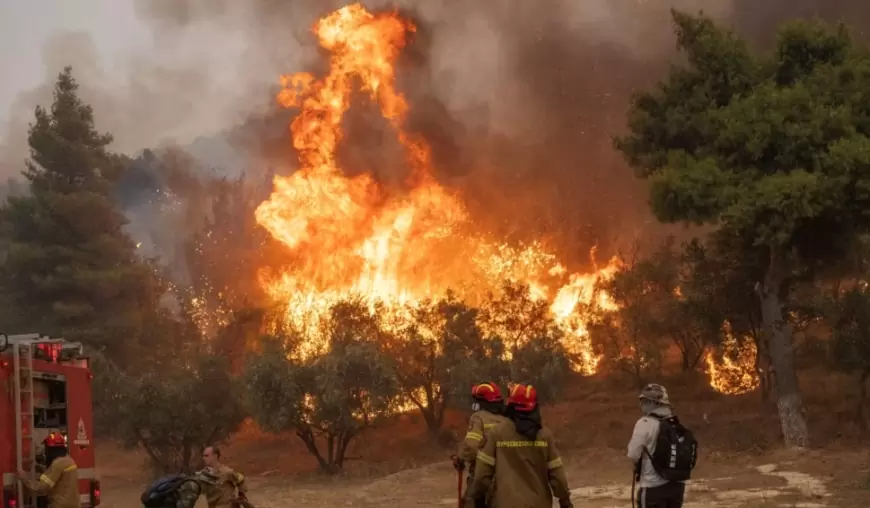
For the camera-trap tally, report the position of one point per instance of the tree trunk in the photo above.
(861, 413)
(762, 370)
(442, 405)
(684, 354)
(186, 457)
(778, 335)
(431, 420)
(343, 442)
(696, 358)
(307, 437)
(330, 450)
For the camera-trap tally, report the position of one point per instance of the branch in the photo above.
(153, 456)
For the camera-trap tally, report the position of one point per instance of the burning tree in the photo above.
(353, 236)
(724, 271)
(632, 339)
(526, 341)
(774, 149)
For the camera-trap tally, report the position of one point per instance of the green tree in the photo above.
(439, 353)
(183, 400)
(683, 307)
(447, 346)
(542, 361)
(328, 400)
(69, 268)
(850, 319)
(773, 148)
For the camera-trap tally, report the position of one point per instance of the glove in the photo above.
(566, 504)
(458, 463)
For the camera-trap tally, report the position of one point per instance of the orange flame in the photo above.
(351, 237)
(736, 373)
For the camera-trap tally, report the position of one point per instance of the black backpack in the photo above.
(676, 451)
(158, 493)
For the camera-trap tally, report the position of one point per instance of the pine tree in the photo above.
(70, 269)
(774, 149)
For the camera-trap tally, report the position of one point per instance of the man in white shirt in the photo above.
(654, 491)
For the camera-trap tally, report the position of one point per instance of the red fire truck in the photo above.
(47, 383)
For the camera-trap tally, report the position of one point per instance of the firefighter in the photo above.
(655, 491)
(60, 480)
(488, 407)
(519, 459)
(229, 489)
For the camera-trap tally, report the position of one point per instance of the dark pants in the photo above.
(467, 502)
(669, 495)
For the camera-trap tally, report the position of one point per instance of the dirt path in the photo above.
(816, 481)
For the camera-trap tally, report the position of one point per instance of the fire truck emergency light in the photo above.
(50, 351)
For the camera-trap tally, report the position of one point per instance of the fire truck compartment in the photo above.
(50, 406)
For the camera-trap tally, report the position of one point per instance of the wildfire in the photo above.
(349, 236)
(735, 374)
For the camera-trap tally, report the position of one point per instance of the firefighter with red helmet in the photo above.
(60, 480)
(519, 460)
(488, 407)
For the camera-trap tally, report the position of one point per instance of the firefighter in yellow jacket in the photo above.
(521, 458)
(488, 407)
(228, 488)
(60, 480)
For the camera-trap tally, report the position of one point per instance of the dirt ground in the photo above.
(741, 465)
(832, 478)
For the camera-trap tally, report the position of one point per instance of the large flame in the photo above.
(736, 373)
(349, 236)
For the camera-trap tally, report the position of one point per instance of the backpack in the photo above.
(158, 493)
(676, 451)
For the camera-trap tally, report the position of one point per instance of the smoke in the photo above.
(190, 83)
(518, 99)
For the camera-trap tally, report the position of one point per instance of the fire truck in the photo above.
(47, 385)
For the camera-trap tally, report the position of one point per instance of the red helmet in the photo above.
(54, 439)
(523, 397)
(489, 392)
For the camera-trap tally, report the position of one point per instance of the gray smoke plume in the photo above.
(519, 99)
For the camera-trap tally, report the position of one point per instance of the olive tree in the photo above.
(171, 410)
(327, 400)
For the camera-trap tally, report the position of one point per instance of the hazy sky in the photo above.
(159, 71)
(26, 25)
(147, 86)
